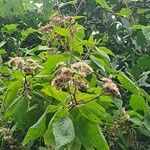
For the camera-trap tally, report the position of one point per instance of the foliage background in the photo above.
(119, 29)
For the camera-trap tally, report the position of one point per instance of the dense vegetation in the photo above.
(75, 75)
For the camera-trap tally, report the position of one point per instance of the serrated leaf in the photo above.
(63, 131)
(103, 54)
(88, 114)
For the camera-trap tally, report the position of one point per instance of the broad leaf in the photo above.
(53, 92)
(51, 64)
(63, 131)
(127, 83)
(39, 128)
(90, 135)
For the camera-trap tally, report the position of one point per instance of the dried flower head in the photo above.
(81, 85)
(37, 68)
(109, 86)
(30, 61)
(27, 70)
(17, 62)
(83, 68)
(61, 80)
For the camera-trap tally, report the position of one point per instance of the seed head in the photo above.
(109, 86)
(83, 68)
(17, 62)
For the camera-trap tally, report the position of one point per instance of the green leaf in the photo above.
(2, 43)
(127, 83)
(125, 12)
(49, 137)
(63, 131)
(97, 62)
(28, 31)
(93, 111)
(62, 31)
(51, 63)
(137, 27)
(146, 32)
(147, 121)
(10, 109)
(9, 28)
(53, 92)
(2, 51)
(75, 145)
(88, 114)
(90, 135)
(19, 113)
(103, 54)
(138, 103)
(103, 4)
(91, 94)
(142, 11)
(39, 128)
(141, 65)
(12, 92)
(106, 50)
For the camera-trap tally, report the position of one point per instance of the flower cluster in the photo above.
(17, 62)
(83, 68)
(110, 86)
(30, 66)
(73, 75)
(61, 80)
(57, 20)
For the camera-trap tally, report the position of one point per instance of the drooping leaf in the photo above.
(49, 137)
(127, 83)
(90, 135)
(63, 131)
(97, 62)
(39, 128)
(12, 92)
